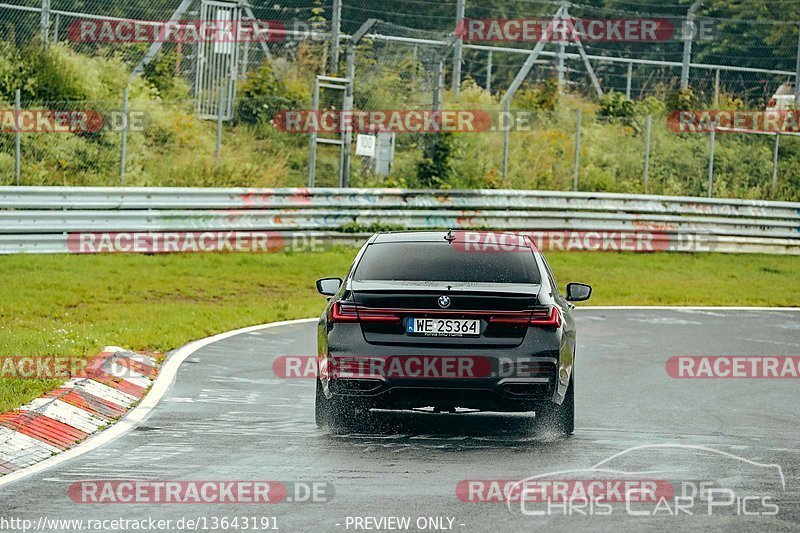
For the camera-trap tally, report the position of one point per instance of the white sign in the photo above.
(365, 145)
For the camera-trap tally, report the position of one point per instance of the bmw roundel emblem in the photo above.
(444, 302)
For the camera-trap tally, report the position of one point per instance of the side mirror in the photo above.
(329, 286)
(578, 292)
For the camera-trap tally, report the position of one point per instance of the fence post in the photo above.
(647, 153)
(489, 68)
(577, 151)
(458, 52)
(438, 85)
(629, 81)
(222, 90)
(775, 163)
(562, 50)
(55, 28)
(716, 89)
(124, 142)
(506, 137)
(17, 137)
(688, 36)
(336, 32)
(44, 23)
(797, 75)
(711, 161)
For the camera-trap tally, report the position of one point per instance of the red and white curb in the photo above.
(116, 380)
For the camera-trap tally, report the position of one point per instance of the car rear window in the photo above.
(433, 261)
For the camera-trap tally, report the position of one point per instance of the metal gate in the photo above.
(218, 59)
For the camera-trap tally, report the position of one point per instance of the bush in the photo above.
(683, 100)
(375, 227)
(616, 105)
(262, 95)
(160, 72)
(543, 97)
(435, 168)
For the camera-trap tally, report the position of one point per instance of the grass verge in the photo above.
(75, 305)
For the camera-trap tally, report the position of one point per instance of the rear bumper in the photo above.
(512, 379)
(501, 395)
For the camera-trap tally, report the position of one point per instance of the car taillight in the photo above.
(342, 312)
(542, 317)
(511, 319)
(377, 315)
(548, 317)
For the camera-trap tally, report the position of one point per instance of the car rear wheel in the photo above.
(340, 413)
(322, 412)
(560, 418)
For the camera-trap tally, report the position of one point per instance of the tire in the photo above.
(561, 418)
(339, 414)
(322, 409)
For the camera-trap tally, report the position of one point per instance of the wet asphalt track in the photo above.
(228, 418)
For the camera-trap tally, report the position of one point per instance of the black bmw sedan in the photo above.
(447, 320)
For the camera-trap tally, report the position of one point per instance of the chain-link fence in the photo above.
(202, 110)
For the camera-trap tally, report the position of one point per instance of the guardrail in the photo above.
(53, 219)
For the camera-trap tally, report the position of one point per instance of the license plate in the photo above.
(444, 327)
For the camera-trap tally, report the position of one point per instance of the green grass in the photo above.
(75, 305)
